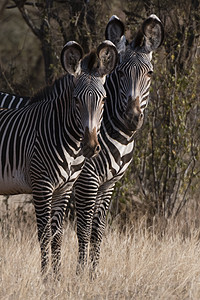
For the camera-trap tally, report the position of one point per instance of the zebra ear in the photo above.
(150, 36)
(115, 33)
(71, 56)
(108, 56)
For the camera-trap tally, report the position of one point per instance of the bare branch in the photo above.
(3, 6)
(35, 4)
(2, 73)
(60, 23)
(28, 21)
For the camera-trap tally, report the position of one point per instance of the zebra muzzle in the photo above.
(134, 115)
(90, 145)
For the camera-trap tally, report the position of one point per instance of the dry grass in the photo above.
(134, 265)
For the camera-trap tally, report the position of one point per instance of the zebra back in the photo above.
(12, 100)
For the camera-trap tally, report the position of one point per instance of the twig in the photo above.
(3, 6)
(5, 78)
(26, 3)
(29, 22)
(60, 23)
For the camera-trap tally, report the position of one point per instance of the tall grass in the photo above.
(136, 263)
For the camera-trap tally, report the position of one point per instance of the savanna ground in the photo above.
(136, 263)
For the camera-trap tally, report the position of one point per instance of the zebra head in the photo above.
(89, 94)
(134, 70)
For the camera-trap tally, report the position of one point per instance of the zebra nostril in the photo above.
(81, 145)
(136, 119)
(97, 149)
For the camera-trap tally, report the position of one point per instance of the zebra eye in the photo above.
(150, 73)
(104, 100)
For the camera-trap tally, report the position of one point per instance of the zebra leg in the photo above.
(42, 203)
(98, 224)
(85, 193)
(59, 204)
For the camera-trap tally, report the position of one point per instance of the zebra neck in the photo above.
(60, 116)
(113, 127)
(114, 108)
(65, 106)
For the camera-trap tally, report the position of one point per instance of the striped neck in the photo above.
(58, 104)
(114, 107)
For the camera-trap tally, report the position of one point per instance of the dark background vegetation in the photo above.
(163, 180)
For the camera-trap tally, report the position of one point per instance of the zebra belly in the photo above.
(15, 183)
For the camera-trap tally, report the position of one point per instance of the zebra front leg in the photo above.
(98, 225)
(59, 204)
(84, 222)
(85, 193)
(42, 203)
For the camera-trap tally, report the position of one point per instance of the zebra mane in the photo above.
(39, 95)
(46, 92)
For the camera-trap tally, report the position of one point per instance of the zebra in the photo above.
(127, 89)
(43, 145)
